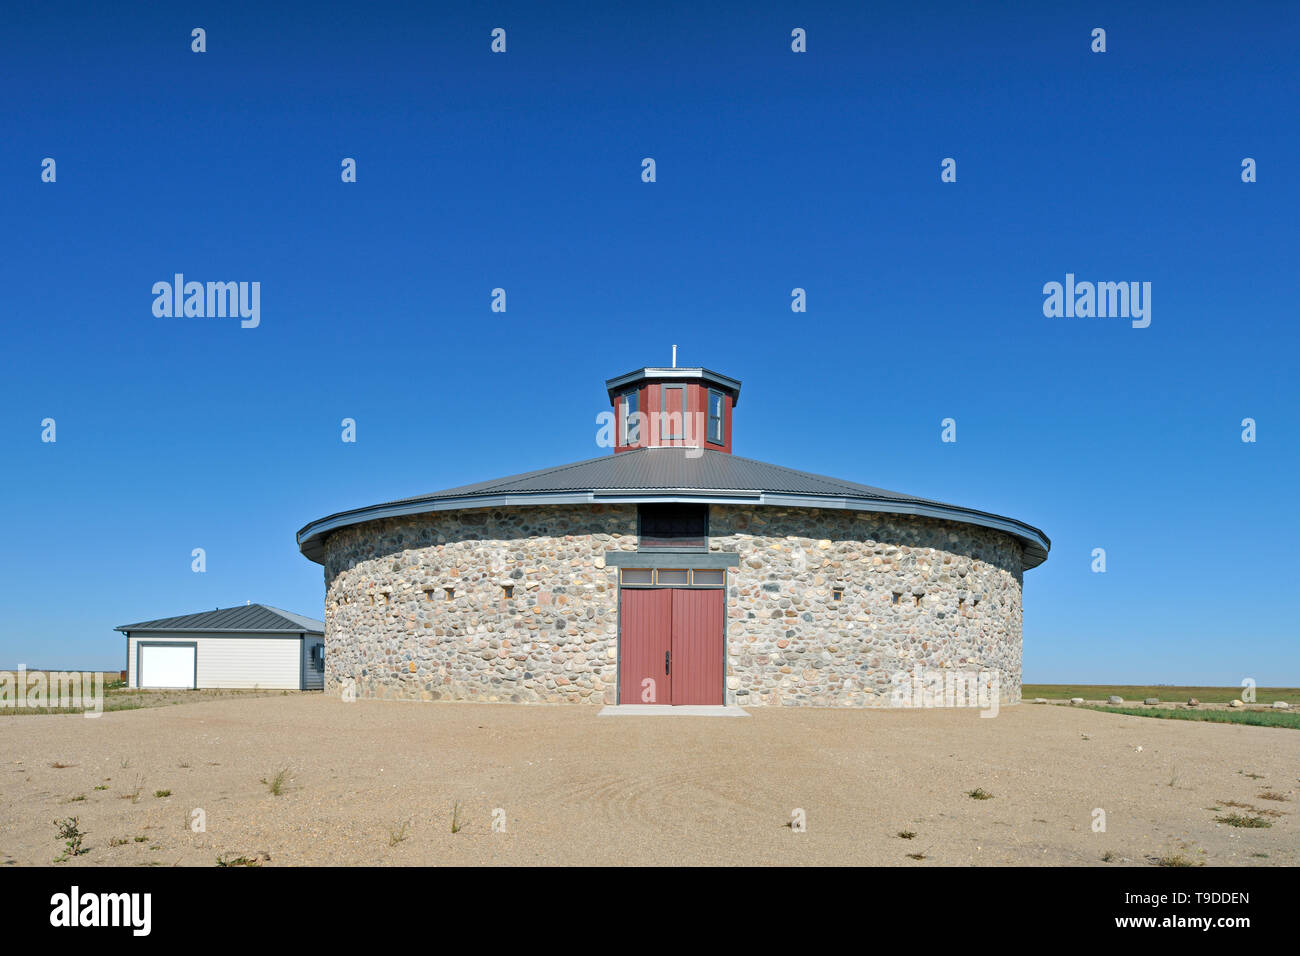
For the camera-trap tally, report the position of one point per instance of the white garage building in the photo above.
(254, 645)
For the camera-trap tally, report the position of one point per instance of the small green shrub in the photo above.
(277, 782)
(69, 831)
(1243, 820)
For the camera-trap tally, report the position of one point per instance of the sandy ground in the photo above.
(577, 789)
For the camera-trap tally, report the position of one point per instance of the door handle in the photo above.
(668, 662)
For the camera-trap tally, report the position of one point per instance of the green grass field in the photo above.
(1254, 718)
(1167, 693)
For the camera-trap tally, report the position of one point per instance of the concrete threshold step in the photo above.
(667, 710)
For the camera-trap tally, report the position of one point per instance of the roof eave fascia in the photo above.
(508, 499)
(1035, 542)
(642, 374)
(214, 630)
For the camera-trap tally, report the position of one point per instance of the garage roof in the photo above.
(673, 474)
(245, 618)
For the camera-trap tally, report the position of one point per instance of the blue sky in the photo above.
(775, 170)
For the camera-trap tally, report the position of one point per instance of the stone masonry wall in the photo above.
(917, 593)
(391, 626)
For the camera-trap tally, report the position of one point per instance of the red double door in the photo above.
(671, 648)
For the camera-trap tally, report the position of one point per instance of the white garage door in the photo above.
(166, 666)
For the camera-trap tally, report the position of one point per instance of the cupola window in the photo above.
(631, 426)
(716, 407)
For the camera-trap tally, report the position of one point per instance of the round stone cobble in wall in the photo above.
(827, 607)
(917, 598)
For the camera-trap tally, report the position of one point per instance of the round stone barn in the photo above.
(672, 572)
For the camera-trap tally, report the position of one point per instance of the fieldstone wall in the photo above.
(917, 593)
(920, 597)
(392, 627)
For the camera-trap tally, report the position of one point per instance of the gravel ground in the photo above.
(377, 782)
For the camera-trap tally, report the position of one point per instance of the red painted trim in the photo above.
(650, 405)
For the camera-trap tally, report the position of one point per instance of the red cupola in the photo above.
(675, 407)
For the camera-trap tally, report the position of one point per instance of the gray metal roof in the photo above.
(672, 474)
(668, 469)
(246, 618)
